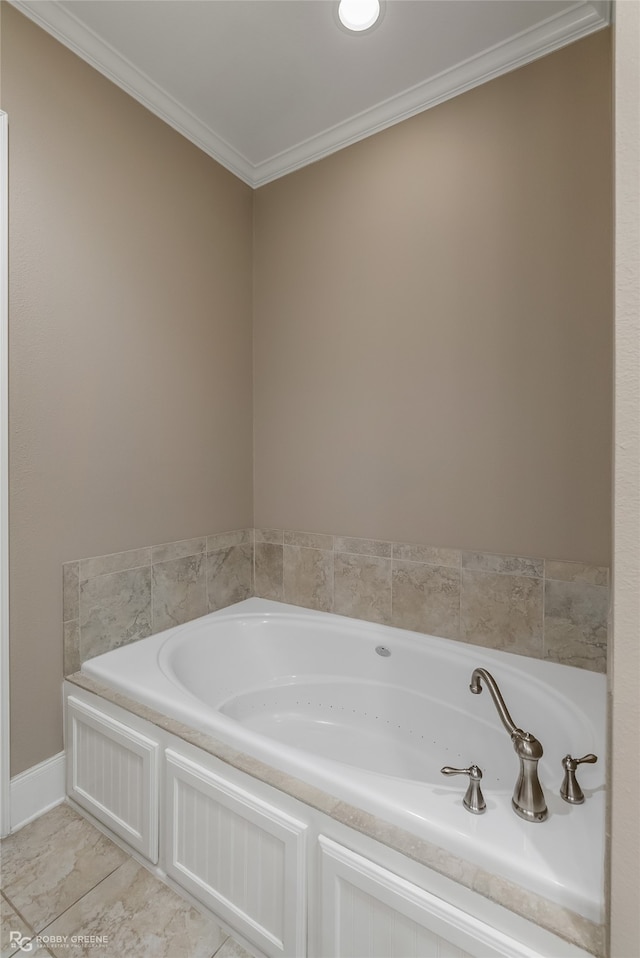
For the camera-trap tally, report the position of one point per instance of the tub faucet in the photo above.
(528, 798)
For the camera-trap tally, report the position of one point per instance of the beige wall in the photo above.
(130, 346)
(624, 659)
(130, 338)
(433, 324)
(432, 342)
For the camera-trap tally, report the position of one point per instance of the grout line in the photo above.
(360, 555)
(19, 914)
(432, 565)
(104, 575)
(152, 600)
(508, 575)
(544, 610)
(253, 563)
(218, 950)
(333, 578)
(80, 898)
(207, 576)
(296, 545)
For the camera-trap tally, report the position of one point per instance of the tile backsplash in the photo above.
(109, 601)
(548, 609)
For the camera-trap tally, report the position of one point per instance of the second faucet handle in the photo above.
(473, 800)
(570, 790)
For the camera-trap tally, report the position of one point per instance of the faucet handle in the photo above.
(570, 791)
(473, 800)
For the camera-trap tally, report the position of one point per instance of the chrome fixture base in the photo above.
(528, 798)
(527, 815)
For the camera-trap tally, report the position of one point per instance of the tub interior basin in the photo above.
(313, 682)
(382, 728)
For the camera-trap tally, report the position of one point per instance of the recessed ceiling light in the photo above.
(358, 15)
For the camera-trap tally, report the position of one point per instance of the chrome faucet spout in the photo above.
(496, 695)
(528, 798)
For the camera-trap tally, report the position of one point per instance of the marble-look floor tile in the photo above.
(140, 916)
(233, 949)
(49, 864)
(12, 928)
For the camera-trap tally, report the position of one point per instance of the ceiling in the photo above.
(268, 86)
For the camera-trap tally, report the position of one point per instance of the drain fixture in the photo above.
(383, 650)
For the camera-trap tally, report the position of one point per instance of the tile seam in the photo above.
(87, 892)
(105, 575)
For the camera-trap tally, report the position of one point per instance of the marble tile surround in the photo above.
(109, 601)
(544, 608)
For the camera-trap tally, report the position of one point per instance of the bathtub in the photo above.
(370, 714)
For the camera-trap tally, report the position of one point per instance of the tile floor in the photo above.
(63, 879)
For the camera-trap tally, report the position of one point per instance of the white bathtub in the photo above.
(307, 693)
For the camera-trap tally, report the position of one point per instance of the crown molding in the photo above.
(66, 28)
(581, 19)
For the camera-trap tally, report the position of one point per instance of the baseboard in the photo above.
(37, 790)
